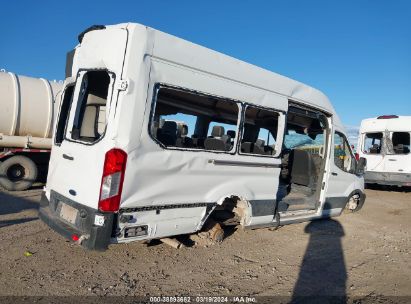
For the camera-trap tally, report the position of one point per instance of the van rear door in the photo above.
(372, 149)
(76, 164)
(399, 159)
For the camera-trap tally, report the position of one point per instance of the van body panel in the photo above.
(375, 163)
(165, 222)
(102, 49)
(136, 72)
(199, 178)
(400, 163)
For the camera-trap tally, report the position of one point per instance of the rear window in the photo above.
(90, 117)
(401, 142)
(373, 143)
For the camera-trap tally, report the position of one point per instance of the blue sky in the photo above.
(357, 52)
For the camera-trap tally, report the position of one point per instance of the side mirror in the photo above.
(361, 164)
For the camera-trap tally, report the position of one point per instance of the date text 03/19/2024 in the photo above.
(203, 299)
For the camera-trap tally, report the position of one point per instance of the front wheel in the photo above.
(354, 203)
(17, 173)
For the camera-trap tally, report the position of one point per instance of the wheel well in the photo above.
(231, 212)
(361, 199)
(39, 158)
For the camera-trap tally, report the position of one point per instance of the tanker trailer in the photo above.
(28, 108)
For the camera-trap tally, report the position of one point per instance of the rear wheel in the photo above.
(17, 173)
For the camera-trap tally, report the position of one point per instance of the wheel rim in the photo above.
(353, 203)
(16, 173)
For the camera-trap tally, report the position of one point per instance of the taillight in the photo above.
(112, 180)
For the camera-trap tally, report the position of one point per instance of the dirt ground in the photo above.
(355, 255)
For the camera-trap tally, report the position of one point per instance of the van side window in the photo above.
(401, 142)
(64, 111)
(190, 120)
(343, 157)
(260, 131)
(90, 116)
(373, 143)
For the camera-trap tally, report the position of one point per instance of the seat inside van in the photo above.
(218, 140)
(167, 133)
(183, 141)
(94, 118)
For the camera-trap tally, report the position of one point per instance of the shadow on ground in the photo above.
(11, 203)
(15, 222)
(323, 272)
(388, 188)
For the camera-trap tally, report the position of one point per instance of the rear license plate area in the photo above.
(68, 213)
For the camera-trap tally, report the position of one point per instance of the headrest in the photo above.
(217, 131)
(96, 100)
(170, 126)
(260, 142)
(182, 130)
(231, 133)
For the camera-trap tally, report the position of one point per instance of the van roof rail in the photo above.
(387, 116)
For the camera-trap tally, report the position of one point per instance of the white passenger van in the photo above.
(385, 143)
(160, 137)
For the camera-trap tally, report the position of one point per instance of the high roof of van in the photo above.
(179, 51)
(387, 122)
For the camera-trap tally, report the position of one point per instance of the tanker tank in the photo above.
(28, 111)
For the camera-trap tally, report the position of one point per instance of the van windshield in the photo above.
(90, 117)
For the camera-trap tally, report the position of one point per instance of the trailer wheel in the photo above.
(17, 173)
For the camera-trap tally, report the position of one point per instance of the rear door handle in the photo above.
(333, 173)
(69, 157)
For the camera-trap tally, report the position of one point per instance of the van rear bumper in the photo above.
(388, 178)
(90, 236)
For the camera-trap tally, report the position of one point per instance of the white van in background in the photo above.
(160, 137)
(385, 143)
